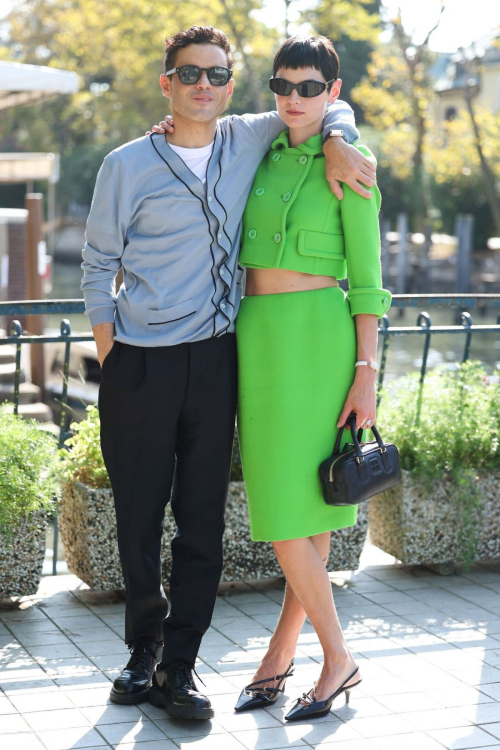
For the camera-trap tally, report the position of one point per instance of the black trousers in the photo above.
(167, 415)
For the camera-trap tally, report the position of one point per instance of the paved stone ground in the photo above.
(428, 647)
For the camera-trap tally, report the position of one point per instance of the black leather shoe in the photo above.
(253, 696)
(307, 707)
(174, 690)
(132, 686)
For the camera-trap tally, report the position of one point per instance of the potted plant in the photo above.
(447, 507)
(28, 486)
(88, 527)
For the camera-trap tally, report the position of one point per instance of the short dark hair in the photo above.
(308, 52)
(196, 35)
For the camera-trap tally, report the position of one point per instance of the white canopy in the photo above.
(21, 84)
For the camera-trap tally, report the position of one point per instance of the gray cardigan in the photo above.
(176, 239)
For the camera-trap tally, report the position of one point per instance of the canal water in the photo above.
(405, 351)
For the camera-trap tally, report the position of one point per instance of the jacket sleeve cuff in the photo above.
(369, 300)
(100, 315)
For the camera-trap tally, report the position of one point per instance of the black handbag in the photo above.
(361, 470)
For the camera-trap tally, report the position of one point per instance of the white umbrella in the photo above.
(22, 84)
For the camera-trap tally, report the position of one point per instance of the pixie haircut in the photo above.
(196, 35)
(308, 52)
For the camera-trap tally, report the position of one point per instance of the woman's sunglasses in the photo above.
(306, 89)
(190, 74)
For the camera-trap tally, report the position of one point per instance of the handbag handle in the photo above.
(351, 422)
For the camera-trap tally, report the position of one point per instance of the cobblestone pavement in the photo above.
(428, 647)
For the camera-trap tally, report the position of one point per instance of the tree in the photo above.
(353, 27)
(119, 62)
(470, 91)
(458, 154)
(395, 96)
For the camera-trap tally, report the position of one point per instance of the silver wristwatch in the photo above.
(334, 134)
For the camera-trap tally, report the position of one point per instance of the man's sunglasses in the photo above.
(306, 89)
(190, 74)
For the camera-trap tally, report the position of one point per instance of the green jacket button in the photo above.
(276, 157)
(385, 300)
(252, 234)
(287, 196)
(303, 159)
(259, 191)
(277, 237)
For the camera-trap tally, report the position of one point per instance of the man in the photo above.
(167, 209)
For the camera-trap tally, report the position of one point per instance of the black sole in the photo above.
(158, 700)
(252, 707)
(129, 700)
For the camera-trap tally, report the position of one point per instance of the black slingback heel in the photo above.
(314, 708)
(261, 697)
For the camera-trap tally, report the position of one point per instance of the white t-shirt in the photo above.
(195, 158)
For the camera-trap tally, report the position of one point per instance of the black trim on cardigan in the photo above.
(164, 322)
(208, 224)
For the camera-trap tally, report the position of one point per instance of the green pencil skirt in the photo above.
(296, 355)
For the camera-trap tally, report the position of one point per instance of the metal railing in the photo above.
(423, 328)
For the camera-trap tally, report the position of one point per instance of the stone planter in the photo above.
(420, 527)
(88, 531)
(22, 555)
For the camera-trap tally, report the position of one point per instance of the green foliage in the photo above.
(456, 434)
(462, 196)
(84, 462)
(28, 469)
(79, 169)
(459, 423)
(353, 27)
(119, 63)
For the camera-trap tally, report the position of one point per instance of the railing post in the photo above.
(466, 321)
(65, 332)
(423, 320)
(383, 327)
(16, 330)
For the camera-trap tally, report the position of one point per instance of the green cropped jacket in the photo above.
(292, 220)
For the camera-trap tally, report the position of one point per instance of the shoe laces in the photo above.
(184, 669)
(139, 652)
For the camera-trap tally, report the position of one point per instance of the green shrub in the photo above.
(450, 429)
(84, 462)
(28, 469)
(459, 424)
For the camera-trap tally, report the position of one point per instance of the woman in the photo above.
(300, 338)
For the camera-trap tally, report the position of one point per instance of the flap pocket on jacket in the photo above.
(321, 244)
(171, 314)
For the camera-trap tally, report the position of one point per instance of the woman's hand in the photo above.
(166, 125)
(361, 398)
